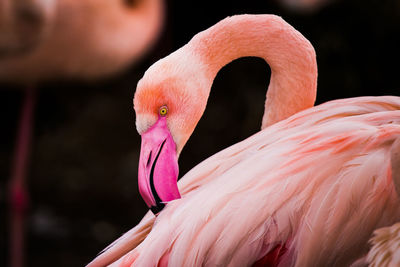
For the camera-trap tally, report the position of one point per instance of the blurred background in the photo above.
(82, 175)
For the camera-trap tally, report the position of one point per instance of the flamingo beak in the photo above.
(158, 167)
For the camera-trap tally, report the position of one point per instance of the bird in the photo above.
(308, 189)
(42, 40)
(87, 40)
(23, 24)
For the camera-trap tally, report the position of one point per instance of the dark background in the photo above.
(83, 171)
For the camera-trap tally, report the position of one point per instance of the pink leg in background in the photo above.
(18, 194)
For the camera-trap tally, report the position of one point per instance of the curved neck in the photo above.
(290, 56)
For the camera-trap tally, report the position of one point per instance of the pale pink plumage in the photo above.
(385, 251)
(316, 183)
(385, 243)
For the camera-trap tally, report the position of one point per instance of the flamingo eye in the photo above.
(163, 111)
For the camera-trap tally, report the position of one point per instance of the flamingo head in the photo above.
(24, 24)
(169, 102)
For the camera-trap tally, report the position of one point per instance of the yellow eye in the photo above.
(163, 111)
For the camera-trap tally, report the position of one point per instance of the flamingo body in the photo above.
(307, 190)
(328, 183)
(385, 250)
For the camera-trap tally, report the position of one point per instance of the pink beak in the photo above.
(158, 167)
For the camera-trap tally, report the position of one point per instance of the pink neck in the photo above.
(291, 57)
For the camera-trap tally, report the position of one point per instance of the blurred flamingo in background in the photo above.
(88, 39)
(47, 39)
(23, 24)
(307, 190)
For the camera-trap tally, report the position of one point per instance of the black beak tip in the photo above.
(157, 209)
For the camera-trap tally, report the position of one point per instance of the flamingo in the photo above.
(23, 24)
(307, 190)
(86, 40)
(66, 39)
